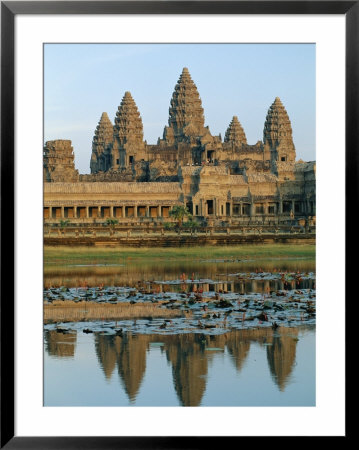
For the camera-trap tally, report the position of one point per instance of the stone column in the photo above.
(147, 211)
(50, 212)
(62, 212)
(99, 211)
(87, 212)
(135, 211)
(231, 209)
(111, 211)
(75, 212)
(280, 206)
(251, 211)
(159, 213)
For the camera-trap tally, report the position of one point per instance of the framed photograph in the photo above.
(173, 258)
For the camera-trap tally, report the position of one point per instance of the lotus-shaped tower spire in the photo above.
(235, 133)
(186, 118)
(128, 123)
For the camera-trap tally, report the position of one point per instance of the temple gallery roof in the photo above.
(111, 187)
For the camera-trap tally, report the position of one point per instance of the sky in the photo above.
(83, 80)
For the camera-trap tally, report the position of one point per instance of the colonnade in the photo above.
(201, 208)
(88, 211)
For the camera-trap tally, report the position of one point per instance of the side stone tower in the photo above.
(186, 118)
(59, 165)
(128, 146)
(235, 133)
(101, 145)
(278, 141)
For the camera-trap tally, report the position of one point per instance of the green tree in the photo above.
(179, 212)
(64, 223)
(111, 222)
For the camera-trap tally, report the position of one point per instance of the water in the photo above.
(136, 362)
(239, 368)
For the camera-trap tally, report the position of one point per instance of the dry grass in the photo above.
(60, 311)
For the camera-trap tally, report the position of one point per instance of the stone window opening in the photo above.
(210, 210)
(131, 160)
(271, 209)
(246, 209)
(283, 158)
(141, 211)
(259, 209)
(69, 212)
(297, 207)
(130, 211)
(56, 213)
(287, 206)
(105, 212)
(210, 156)
(236, 209)
(153, 211)
(117, 211)
(165, 211)
(93, 211)
(228, 209)
(81, 212)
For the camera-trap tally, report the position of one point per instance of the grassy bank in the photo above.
(87, 255)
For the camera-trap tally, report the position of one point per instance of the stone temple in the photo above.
(222, 181)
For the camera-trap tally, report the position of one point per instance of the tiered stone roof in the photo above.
(277, 127)
(235, 133)
(59, 164)
(103, 134)
(128, 123)
(101, 143)
(120, 154)
(186, 116)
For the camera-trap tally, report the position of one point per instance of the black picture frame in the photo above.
(9, 9)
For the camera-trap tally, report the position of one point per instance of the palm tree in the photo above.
(111, 222)
(179, 212)
(64, 223)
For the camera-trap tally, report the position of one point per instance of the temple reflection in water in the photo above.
(187, 354)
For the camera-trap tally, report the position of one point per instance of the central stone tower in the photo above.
(186, 118)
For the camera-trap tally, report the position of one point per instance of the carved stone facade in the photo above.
(220, 180)
(59, 164)
(101, 145)
(235, 133)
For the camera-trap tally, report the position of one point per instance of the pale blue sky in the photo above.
(83, 80)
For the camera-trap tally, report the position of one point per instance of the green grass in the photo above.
(88, 255)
